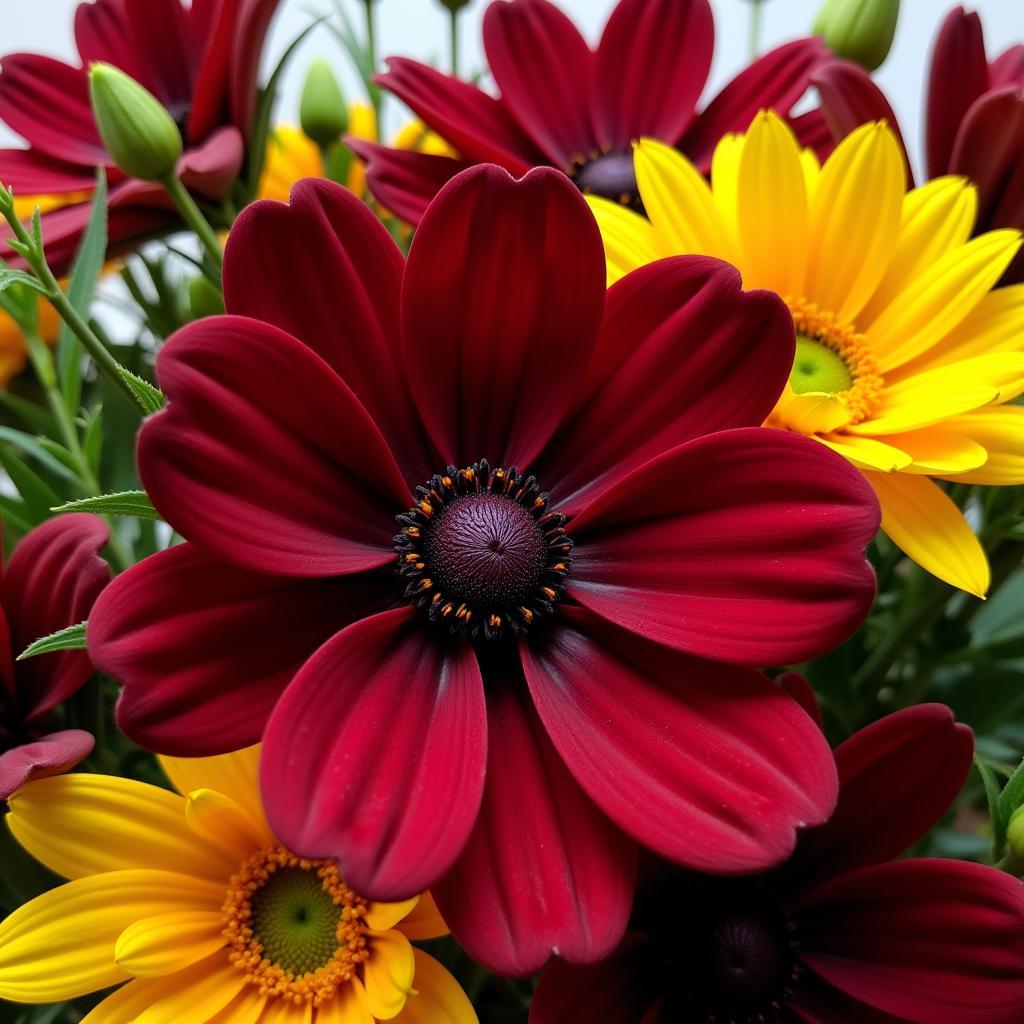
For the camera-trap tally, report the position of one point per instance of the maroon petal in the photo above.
(924, 940)
(47, 103)
(897, 778)
(703, 354)
(161, 42)
(543, 871)
(375, 754)
(652, 64)
(812, 132)
(250, 33)
(776, 80)
(402, 180)
(545, 72)
(744, 546)
(212, 26)
(51, 582)
(265, 457)
(850, 98)
(103, 33)
(325, 270)
(710, 765)
(212, 168)
(50, 755)
(204, 650)
(614, 991)
(30, 172)
(803, 693)
(957, 77)
(476, 124)
(500, 311)
(1008, 68)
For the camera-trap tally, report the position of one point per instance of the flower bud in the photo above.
(137, 131)
(204, 298)
(859, 30)
(453, 5)
(322, 111)
(1015, 833)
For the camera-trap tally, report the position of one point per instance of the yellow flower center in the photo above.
(834, 358)
(293, 927)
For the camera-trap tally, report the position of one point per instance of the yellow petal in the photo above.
(854, 220)
(281, 1011)
(1000, 431)
(867, 452)
(205, 991)
(936, 217)
(725, 182)
(347, 1007)
(813, 412)
(424, 921)
(438, 998)
(61, 944)
(629, 240)
(236, 775)
(220, 820)
(772, 210)
(679, 203)
(939, 450)
(938, 299)
(168, 942)
(79, 825)
(925, 524)
(382, 916)
(290, 156)
(388, 974)
(812, 171)
(246, 1008)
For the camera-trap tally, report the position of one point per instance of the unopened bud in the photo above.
(453, 5)
(139, 134)
(1015, 833)
(322, 111)
(859, 30)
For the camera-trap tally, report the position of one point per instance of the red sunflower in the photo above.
(514, 687)
(565, 105)
(51, 582)
(201, 61)
(840, 932)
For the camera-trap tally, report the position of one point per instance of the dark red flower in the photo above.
(554, 685)
(841, 932)
(974, 118)
(51, 581)
(201, 62)
(564, 105)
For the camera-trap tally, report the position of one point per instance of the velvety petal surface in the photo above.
(51, 581)
(265, 457)
(543, 871)
(375, 754)
(324, 269)
(501, 304)
(925, 940)
(58, 752)
(746, 546)
(711, 766)
(703, 354)
(205, 649)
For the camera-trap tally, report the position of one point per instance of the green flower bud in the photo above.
(453, 5)
(204, 298)
(322, 111)
(859, 30)
(1015, 833)
(138, 132)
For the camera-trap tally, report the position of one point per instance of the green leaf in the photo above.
(1012, 795)
(35, 416)
(15, 513)
(40, 449)
(992, 794)
(39, 496)
(123, 503)
(92, 445)
(150, 397)
(70, 638)
(85, 275)
(8, 276)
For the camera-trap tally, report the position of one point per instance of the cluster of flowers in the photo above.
(515, 464)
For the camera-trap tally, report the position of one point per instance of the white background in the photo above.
(419, 28)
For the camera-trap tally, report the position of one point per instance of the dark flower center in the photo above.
(609, 175)
(181, 112)
(481, 552)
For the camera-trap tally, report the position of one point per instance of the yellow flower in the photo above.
(905, 357)
(191, 901)
(291, 155)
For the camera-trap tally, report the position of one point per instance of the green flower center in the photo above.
(296, 920)
(818, 368)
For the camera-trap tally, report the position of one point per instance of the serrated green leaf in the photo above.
(9, 276)
(123, 503)
(150, 397)
(40, 448)
(70, 638)
(38, 495)
(992, 797)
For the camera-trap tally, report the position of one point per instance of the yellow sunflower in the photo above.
(191, 906)
(905, 355)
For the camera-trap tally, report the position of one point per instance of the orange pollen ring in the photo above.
(861, 399)
(246, 950)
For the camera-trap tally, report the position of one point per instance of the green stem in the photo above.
(193, 216)
(755, 27)
(371, 55)
(453, 37)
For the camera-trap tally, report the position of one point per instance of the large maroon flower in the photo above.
(841, 932)
(974, 118)
(51, 582)
(564, 105)
(200, 60)
(537, 657)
